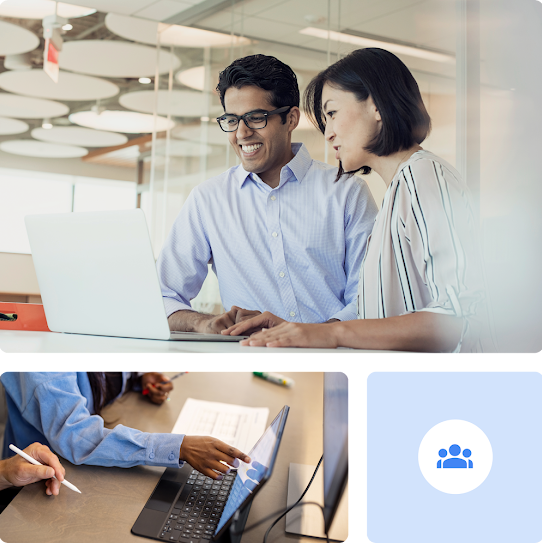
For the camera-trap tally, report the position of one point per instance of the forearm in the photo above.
(188, 321)
(421, 332)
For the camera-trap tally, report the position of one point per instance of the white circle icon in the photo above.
(455, 456)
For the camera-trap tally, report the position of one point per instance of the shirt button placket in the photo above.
(277, 252)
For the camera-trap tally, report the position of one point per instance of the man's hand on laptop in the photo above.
(252, 325)
(234, 316)
(207, 454)
(191, 321)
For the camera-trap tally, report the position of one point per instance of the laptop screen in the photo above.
(251, 476)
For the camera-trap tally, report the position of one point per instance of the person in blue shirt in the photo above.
(280, 233)
(61, 410)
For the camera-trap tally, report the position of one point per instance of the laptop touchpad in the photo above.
(163, 496)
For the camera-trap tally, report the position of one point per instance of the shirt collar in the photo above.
(299, 165)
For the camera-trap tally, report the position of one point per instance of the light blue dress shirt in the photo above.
(55, 409)
(294, 250)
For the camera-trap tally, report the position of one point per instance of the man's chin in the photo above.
(252, 166)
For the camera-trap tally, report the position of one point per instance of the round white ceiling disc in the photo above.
(121, 121)
(132, 28)
(20, 61)
(76, 135)
(193, 77)
(114, 59)
(12, 126)
(143, 31)
(15, 39)
(38, 9)
(23, 107)
(179, 103)
(69, 87)
(41, 149)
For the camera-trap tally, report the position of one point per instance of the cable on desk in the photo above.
(284, 512)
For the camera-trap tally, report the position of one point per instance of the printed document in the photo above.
(236, 425)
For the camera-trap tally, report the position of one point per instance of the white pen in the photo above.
(36, 463)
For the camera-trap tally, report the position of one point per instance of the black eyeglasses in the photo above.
(253, 119)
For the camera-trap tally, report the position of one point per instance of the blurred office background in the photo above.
(130, 122)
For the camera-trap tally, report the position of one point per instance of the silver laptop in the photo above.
(97, 275)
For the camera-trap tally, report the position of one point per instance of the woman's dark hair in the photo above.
(380, 74)
(268, 73)
(106, 386)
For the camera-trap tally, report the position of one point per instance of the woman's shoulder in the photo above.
(426, 168)
(428, 181)
(424, 171)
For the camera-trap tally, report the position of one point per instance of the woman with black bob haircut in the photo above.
(420, 286)
(378, 74)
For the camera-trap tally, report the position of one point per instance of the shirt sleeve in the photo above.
(441, 229)
(59, 410)
(182, 264)
(359, 215)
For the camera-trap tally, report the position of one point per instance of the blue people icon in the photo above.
(454, 462)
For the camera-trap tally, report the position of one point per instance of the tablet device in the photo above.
(188, 507)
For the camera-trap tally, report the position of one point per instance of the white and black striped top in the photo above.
(423, 253)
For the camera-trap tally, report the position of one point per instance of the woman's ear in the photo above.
(374, 109)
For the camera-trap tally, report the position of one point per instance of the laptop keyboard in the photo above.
(194, 517)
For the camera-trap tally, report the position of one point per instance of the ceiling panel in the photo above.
(250, 8)
(125, 7)
(162, 10)
(422, 23)
(307, 13)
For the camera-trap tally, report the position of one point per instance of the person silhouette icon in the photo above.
(466, 454)
(454, 462)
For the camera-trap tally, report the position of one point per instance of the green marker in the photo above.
(276, 378)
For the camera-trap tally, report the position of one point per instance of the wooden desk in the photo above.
(112, 498)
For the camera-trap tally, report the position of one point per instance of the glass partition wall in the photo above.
(195, 148)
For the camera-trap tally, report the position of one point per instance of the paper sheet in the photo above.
(236, 425)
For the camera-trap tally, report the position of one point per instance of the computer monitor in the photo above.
(335, 442)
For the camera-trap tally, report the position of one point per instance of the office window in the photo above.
(103, 195)
(26, 193)
(30, 193)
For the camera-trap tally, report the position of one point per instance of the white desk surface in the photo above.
(14, 341)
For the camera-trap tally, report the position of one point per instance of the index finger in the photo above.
(243, 326)
(43, 454)
(232, 452)
(223, 321)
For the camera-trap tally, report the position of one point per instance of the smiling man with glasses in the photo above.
(267, 226)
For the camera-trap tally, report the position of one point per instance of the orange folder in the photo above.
(29, 317)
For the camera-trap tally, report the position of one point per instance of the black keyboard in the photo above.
(197, 511)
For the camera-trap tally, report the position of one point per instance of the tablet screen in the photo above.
(250, 476)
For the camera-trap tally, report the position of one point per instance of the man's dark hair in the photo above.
(380, 74)
(268, 73)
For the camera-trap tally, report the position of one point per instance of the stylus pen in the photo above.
(145, 391)
(36, 463)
